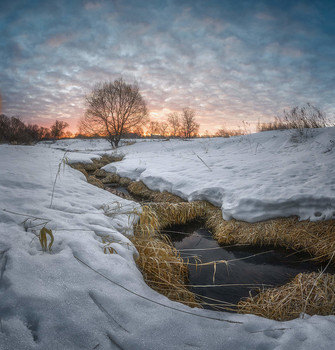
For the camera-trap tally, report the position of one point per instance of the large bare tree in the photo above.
(189, 126)
(113, 110)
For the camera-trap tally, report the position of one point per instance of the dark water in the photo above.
(247, 267)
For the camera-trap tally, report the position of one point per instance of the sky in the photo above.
(230, 61)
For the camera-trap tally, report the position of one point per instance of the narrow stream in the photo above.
(247, 267)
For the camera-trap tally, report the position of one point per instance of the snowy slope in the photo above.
(252, 178)
(55, 301)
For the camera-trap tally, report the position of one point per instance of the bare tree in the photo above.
(174, 122)
(57, 129)
(154, 128)
(15, 131)
(163, 126)
(113, 110)
(189, 126)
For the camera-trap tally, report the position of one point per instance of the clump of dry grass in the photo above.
(310, 293)
(161, 264)
(89, 167)
(96, 164)
(125, 181)
(315, 238)
(43, 238)
(94, 181)
(79, 167)
(100, 173)
(111, 178)
(163, 269)
(138, 188)
(179, 213)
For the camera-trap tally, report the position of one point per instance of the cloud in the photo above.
(230, 61)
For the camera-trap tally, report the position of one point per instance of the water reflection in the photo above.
(246, 268)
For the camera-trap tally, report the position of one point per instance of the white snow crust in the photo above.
(56, 301)
(252, 178)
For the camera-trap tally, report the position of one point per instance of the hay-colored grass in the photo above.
(315, 238)
(94, 181)
(125, 181)
(163, 269)
(138, 188)
(100, 173)
(111, 178)
(309, 293)
(96, 164)
(169, 214)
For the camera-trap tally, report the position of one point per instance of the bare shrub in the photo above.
(299, 119)
(223, 132)
(14, 130)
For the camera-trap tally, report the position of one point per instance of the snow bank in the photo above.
(252, 178)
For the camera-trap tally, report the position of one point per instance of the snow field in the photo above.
(53, 301)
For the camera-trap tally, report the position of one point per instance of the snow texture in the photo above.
(252, 178)
(77, 297)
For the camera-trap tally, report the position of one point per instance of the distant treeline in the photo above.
(14, 130)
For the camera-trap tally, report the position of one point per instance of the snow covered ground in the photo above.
(77, 297)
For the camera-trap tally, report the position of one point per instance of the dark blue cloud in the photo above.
(229, 60)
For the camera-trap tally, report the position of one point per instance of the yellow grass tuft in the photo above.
(79, 167)
(315, 238)
(43, 238)
(138, 188)
(111, 178)
(125, 181)
(163, 269)
(94, 181)
(100, 173)
(179, 213)
(309, 293)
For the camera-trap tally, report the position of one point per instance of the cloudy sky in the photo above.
(229, 60)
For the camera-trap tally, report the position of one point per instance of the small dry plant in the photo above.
(43, 239)
(64, 161)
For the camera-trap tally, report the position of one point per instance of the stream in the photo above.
(247, 267)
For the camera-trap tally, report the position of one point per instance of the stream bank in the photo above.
(162, 210)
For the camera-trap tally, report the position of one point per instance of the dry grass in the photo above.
(163, 269)
(138, 188)
(79, 167)
(100, 173)
(43, 238)
(315, 238)
(94, 181)
(124, 181)
(161, 264)
(309, 293)
(169, 214)
(111, 178)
